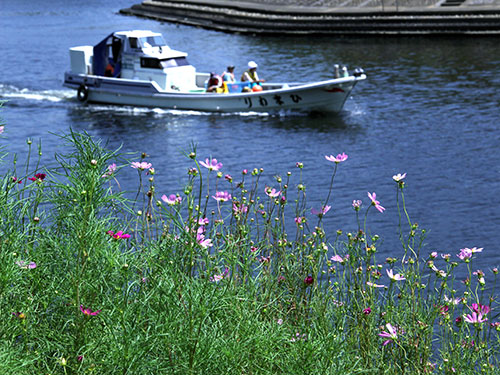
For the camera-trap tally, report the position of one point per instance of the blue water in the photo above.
(430, 108)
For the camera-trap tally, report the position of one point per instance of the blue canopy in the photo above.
(107, 61)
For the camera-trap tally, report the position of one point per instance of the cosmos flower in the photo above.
(142, 165)
(25, 265)
(337, 159)
(88, 312)
(211, 165)
(221, 196)
(321, 212)
(391, 334)
(171, 200)
(375, 202)
(118, 235)
(395, 277)
(272, 193)
(399, 177)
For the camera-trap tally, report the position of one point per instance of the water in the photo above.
(430, 107)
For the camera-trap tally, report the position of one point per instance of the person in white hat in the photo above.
(250, 75)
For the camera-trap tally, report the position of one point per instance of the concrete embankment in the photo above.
(326, 17)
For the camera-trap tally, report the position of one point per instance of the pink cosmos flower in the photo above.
(221, 196)
(110, 171)
(118, 235)
(465, 254)
(480, 309)
(356, 204)
(272, 193)
(219, 277)
(375, 202)
(171, 200)
(14, 179)
(337, 258)
(243, 209)
(374, 285)
(203, 221)
(2, 128)
(298, 220)
(141, 165)
(396, 277)
(88, 312)
(475, 317)
(399, 177)
(321, 212)
(337, 159)
(212, 165)
(367, 311)
(391, 334)
(25, 265)
(202, 241)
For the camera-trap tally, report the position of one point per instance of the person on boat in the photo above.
(214, 83)
(250, 75)
(228, 75)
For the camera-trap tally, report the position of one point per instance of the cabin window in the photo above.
(150, 63)
(133, 43)
(173, 62)
(152, 41)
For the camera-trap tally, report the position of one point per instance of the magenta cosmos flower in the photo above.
(337, 159)
(212, 165)
(141, 165)
(309, 280)
(118, 235)
(375, 202)
(390, 334)
(39, 177)
(88, 312)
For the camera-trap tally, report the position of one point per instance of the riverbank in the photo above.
(351, 17)
(225, 276)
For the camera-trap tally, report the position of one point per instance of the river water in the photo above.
(430, 108)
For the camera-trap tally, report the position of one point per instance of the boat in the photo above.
(137, 68)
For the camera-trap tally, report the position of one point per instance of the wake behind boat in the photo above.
(137, 68)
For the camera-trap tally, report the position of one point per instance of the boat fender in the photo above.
(83, 93)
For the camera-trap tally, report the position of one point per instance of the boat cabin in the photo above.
(136, 55)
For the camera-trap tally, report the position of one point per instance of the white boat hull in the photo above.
(324, 96)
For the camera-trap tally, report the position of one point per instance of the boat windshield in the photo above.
(149, 62)
(152, 41)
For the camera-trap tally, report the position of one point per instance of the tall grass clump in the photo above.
(231, 275)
